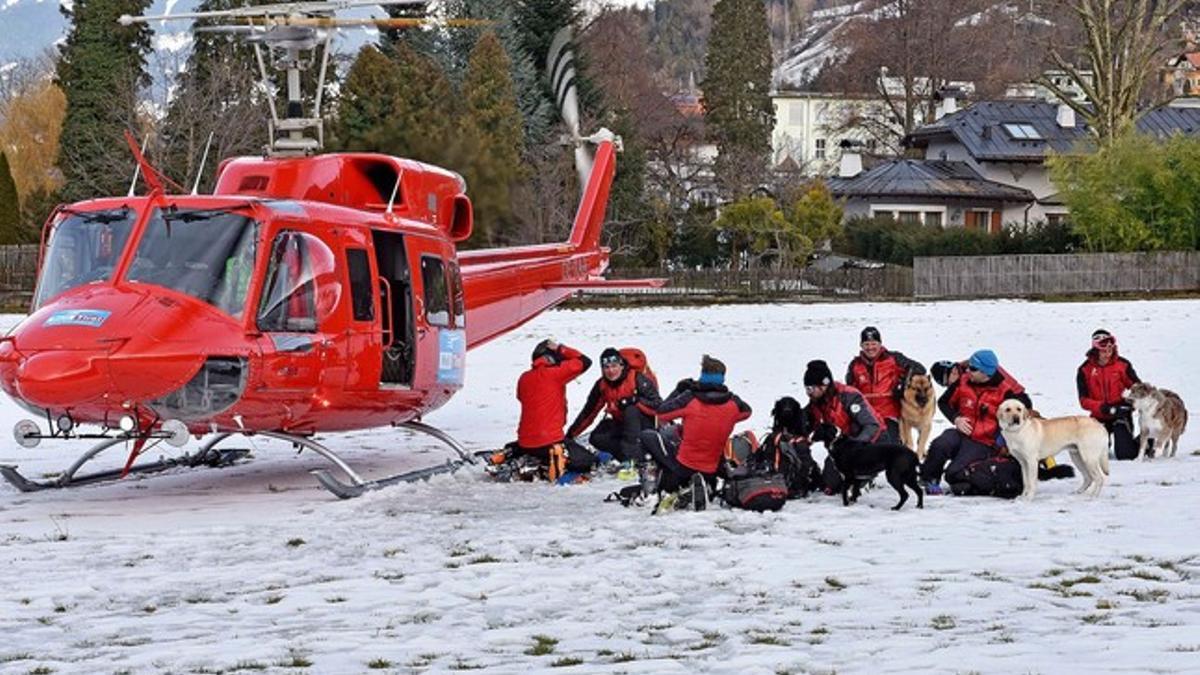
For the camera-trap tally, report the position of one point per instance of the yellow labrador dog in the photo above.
(1031, 439)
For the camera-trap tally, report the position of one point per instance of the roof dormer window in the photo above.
(1022, 132)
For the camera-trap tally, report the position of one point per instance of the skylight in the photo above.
(1023, 132)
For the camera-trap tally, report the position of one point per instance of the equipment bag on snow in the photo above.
(991, 477)
(793, 458)
(753, 481)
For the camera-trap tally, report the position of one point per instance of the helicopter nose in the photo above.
(66, 379)
(61, 378)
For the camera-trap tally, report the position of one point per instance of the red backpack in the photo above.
(636, 360)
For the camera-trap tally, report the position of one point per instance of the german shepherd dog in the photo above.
(917, 405)
(1162, 418)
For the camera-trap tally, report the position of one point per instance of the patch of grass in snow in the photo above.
(483, 559)
(422, 618)
(820, 630)
(988, 575)
(379, 664)
(296, 542)
(41, 670)
(624, 657)
(273, 599)
(827, 542)
(25, 601)
(834, 583)
(943, 622)
(1147, 575)
(1147, 595)
(18, 656)
(460, 664)
(1105, 604)
(1054, 572)
(248, 665)
(542, 645)
(388, 575)
(45, 620)
(423, 660)
(150, 609)
(1094, 619)
(1087, 579)
(459, 551)
(197, 599)
(335, 599)
(295, 659)
(756, 638)
(60, 609)
(1064, 590)
(927, 588)
(1187, 649)
(392, 552)
(565, 662)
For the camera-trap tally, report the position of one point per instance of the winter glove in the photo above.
(824, 433)
(685, 384)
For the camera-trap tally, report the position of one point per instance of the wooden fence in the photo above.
(884, 281)
(1009, 276)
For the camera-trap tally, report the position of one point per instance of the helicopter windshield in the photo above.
(84, 247)
(207, 254)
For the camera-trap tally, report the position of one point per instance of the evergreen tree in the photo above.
(537, 112)
(370, 93)
(10, 206)
(492, 121)
(101, 69)
(737, 101)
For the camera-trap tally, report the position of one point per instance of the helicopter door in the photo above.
(442, 342)
(394, 289)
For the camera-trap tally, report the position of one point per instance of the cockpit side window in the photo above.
(437, 293)
(289, 295)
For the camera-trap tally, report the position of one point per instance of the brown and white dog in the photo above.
(1162, 418)
(1031, 439)
(917, 405)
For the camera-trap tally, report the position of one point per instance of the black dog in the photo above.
(858, 462)
(788, 416)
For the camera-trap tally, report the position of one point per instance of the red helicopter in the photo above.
(310, 293)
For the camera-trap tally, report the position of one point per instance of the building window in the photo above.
(933, 218)
(978, 220)
(1056, 219)
(1023, 132)
(795, 115)
(820, 154)
(907, 217)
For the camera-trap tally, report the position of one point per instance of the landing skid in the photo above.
(205, 456)
(358, 487)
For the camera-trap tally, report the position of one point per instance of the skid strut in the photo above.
(205, 456)
(357, 486)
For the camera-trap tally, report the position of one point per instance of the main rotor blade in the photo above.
(397, 22)
(317, 7)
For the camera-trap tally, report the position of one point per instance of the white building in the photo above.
(810, 126)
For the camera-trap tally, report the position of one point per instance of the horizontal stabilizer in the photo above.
(586, 284)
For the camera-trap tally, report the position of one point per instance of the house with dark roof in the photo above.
(985, 165)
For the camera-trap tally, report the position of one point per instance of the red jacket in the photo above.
(846, 409)
(633, 388)
(979, 402)
(542, 391)
(882, 380)
(709, 413)
(1101, 386)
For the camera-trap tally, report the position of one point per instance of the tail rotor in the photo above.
(560, 66)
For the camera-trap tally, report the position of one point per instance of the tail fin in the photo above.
(589, 219)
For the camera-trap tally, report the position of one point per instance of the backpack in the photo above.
(753, 480)
(793, 458)
(636, 360)
(998, 476)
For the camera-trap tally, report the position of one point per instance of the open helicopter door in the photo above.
(394, 288)
(439, 317)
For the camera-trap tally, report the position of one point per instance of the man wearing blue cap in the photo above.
(970, 402)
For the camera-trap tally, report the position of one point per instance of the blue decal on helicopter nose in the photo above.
(93, 318)
(452, 356)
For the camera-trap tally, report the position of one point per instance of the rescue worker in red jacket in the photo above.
(970, 402)
(542, 391)
(688, 454)
(838, 411)
(1102, 380)
(881, 375)
(628, 398)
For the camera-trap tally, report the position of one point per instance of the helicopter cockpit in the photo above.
(84, 247)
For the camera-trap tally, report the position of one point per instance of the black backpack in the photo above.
(753, 479)
(998, 476)
(792, 456)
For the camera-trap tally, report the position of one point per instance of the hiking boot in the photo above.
(933, 489)
(699, 493)
(667, 502)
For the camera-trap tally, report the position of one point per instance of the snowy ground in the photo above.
(255, 568)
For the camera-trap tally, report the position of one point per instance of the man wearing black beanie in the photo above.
(881, 375)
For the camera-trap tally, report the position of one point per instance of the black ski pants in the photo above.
(952, 452)
(619, 438)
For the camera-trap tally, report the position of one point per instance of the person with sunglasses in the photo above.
(1102, 380)
(629, 399)
(969, 402)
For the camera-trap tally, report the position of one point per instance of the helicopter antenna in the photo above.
(203, 161)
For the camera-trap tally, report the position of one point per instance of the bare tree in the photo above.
(1122, 42)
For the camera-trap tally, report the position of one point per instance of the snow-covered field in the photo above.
(256, 568)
